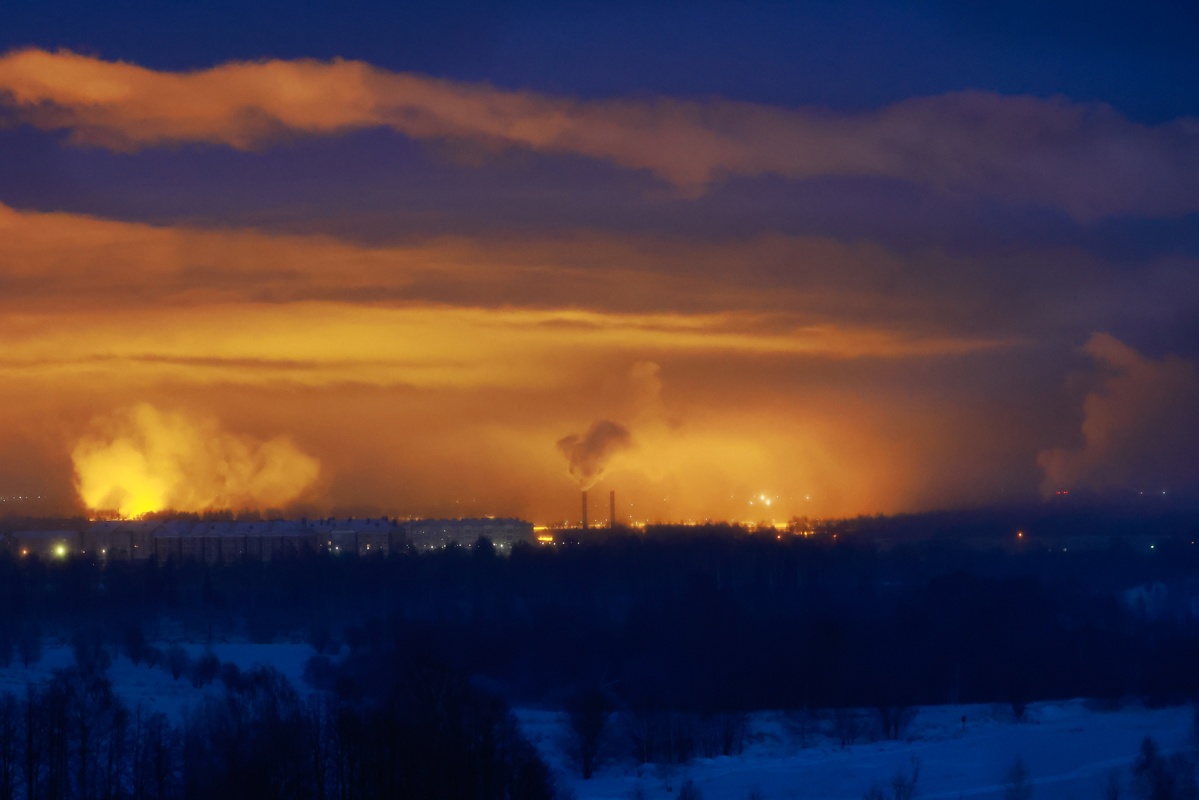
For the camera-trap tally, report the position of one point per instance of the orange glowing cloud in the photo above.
(144, 459)
(326, 343)
(136, 302)
(418, 374)
(71, 257)
(71, 262)
(1084, 158)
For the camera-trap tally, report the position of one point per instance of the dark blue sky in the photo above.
(1140, 57)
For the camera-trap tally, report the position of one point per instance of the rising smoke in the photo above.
(144, 459)
(1140, 426)
(588, 455)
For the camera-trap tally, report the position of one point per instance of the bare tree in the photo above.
(902, 785)
(1156, 777)
(10, 740)
(732, 728)
(155, 757)
(32, 750)
(894, 719)
(587, 720)
(1113, 789)
(802, 724)
(29, 644)
(177, 661)
(847, 724)
(1018, 785)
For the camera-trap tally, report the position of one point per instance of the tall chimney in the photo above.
(612, 509)
(584, 509)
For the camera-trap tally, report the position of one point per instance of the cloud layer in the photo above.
(1085, 159)
(428, 372)
(130, 302)
(433, 374)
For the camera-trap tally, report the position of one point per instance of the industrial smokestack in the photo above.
(612, 509)
(584, 509)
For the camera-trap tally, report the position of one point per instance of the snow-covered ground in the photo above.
(1069, 749)
(153, 688)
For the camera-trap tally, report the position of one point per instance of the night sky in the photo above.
(461, 259)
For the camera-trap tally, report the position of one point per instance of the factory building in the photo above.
(120, 539)
(214, 542)
(44, 544)
(224, 541)
(434, 534)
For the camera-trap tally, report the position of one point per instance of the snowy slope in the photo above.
(1069, 750)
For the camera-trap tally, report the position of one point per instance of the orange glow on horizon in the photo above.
(450, 401)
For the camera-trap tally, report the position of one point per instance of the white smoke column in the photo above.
(588, 455)
(144, 459)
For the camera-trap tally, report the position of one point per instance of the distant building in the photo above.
(435, 534)
(45, 544)
(368, 536)
(270, 539)
(120, 539)
(225, 541)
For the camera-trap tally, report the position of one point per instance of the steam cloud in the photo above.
(1140, 427)
(144, 459)
(589, 454)
(1085, 158)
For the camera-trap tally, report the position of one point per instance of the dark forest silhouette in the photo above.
(658, 646)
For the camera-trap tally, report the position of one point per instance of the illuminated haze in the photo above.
(144, 459)
(450, 282)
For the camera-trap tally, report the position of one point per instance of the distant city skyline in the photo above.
(455, 260)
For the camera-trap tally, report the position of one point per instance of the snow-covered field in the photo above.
(1069, 748)
(153, 687)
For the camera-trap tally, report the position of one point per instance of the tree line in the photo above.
(676, 635)
(410, 730)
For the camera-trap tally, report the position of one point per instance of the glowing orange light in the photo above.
(150, 459)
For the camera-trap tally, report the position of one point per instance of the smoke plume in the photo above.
(589, 454)
(1140, 426)
(144, 459)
